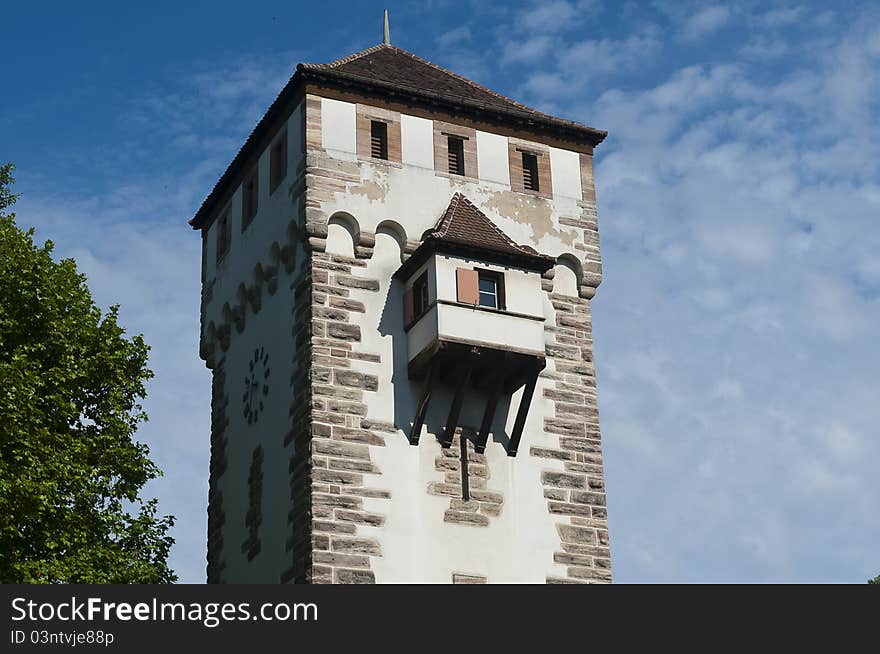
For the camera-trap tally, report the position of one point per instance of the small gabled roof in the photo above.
(465, 230)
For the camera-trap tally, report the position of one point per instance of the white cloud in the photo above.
(738, 214)
(781, 17)
(705, 22)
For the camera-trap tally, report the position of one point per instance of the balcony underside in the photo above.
(462, 366)
(449, 358)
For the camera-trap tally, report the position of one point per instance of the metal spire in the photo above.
(386, 35)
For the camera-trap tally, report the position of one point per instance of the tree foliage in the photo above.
(70, 387)
(875, 580)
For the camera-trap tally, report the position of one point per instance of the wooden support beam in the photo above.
(522, 413)
(489, 413)
(455, 409)
(422, 408)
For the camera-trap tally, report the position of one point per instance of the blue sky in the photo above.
(735, 331)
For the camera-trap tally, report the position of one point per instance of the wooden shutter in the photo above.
(468, 282)
(408, 307)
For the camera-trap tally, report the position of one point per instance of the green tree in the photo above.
(70, 387)
(875, 580)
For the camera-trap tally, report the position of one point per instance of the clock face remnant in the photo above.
(256, 386)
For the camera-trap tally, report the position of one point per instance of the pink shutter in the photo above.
(408, 307)
(468, 285)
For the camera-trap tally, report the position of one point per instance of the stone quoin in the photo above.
(397, 272)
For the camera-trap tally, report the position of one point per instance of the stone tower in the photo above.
(397, 270)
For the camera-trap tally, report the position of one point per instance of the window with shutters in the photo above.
(530, 172)
(224, 235)
(456, 155)
(278, 162)
(249, 199)
(378, 139)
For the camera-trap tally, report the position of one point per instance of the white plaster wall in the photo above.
(492, 158)
(565, 173)
(462, 323)
(417, 141)
(522, 287)
(565, 280)
(270, 329)
(416, 198)
(338, 125)
(417, 545)
(423, 333)
(270, 225)
(339, 240)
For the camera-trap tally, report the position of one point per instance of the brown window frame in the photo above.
(446, 134)
(365, 116)
(278, 161)
(250, 199)
(516, 149)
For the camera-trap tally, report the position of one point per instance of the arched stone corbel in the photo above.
(547, 279)
(365, 245)
(408, 248)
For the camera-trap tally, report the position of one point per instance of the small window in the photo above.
(420, 296)
(223, 235)
(530, 171)
(456, 155)
(249, 200)
(278, 162)
(491, 285)
(378, 139)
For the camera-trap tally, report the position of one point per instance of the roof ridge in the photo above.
(470, 82)
(488, 220)
(385, 46)
(353, 56)
(459, 202)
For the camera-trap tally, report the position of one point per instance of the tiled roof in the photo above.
(462, 223)
(399, 69)
(465, 230)
(392, 70)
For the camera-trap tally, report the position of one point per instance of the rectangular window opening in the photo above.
(278, 162)
(378, 139)
(530, 171)
(456, 155)
(491, 285)
(223, 235)
(420, 296)
(249, 200)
